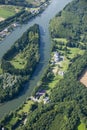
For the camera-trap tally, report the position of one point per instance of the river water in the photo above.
(45, 45)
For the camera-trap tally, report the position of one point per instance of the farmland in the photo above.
(8, 11)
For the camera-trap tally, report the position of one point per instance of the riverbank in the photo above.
(9, 24)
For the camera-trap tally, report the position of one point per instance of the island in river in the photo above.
(18, 64)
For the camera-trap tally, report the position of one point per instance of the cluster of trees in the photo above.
(72, 23)
(32, 60)
(11, 91)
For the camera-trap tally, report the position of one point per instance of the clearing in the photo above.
(82, 127)
(8, 11)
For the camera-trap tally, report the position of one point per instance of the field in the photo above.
(20, 60)
(82, 127)
(74, 52)
(83, 79)
(36, 3)
(7, 11)
(54, 81)
(62, 40)
(26, 107)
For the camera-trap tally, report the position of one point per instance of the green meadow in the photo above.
(7, 11)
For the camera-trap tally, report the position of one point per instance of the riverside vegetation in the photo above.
(18, 64)
(67, 109)
(19, 11)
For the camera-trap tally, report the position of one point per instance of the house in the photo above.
(41, 93)
(56, 56)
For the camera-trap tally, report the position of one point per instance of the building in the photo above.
(56, 57)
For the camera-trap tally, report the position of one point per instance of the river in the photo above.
(45, 45)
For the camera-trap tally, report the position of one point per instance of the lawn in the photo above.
(64, 64)
(19, 61)
(54, 81)
(7, 11)
(82, 127)
(36, 3)
(63, 40)
(74, 52)
(26, 107)
(12, 122)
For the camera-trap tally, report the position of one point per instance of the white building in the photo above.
(56, 57)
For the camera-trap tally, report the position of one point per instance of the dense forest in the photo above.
(19, 63)
(72, 23)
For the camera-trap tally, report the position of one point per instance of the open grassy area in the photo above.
(82, 127)
(74, 52)
(64, 64)
(20, 60)
(12, 122)
(7, 11)
(26, 107)
(36, 3)
(63, 40)
(54, 81)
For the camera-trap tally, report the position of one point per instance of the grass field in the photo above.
(12, 122)
(54, 81)
(20, 60)
(26, 107)
(74, 52)
(7, 11)
(82, 127)
(63, 40)
(36, 3)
